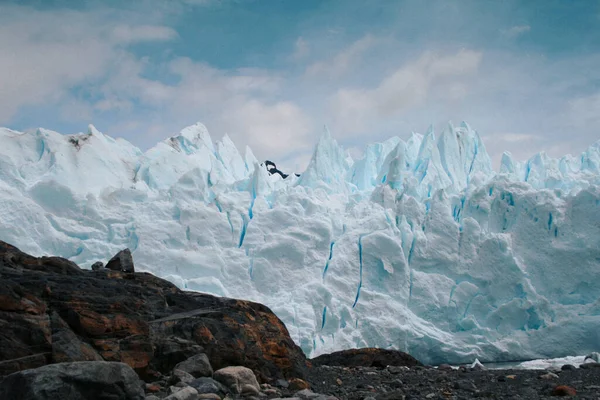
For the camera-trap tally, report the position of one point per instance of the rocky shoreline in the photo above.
(116, 334)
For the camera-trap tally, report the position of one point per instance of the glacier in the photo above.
(419, 246)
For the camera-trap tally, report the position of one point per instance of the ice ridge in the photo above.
(420, 245)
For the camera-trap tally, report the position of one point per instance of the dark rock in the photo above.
(368, 357)
(172, 350)
(198, 366)
(97, 266)
(208, 385)
(568, 367)
(186, 393)
(98, 380)
(590, 365)
(122, 261)
(131, 318)
(445, 367)
(564, 390)
(180, 376)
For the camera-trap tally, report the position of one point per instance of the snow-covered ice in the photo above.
(419, 246)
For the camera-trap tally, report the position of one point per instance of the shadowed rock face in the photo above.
(53, 311)
(369, 357)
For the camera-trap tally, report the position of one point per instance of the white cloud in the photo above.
(407, 87)
(301, 49)
(342, 61)
(517, 30)
(144, 33)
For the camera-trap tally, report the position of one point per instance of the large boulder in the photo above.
(122, 261)
(52, 311)
(367, 357)
(88, 380)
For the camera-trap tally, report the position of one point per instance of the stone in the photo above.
(97, 266)
(171, 350)
(67, 347)
(152, 397)
(187, 393)
(85, 380)
(152, 388)
(445, 367)
(367, 357)
(589, 365)
(563, 390)
(197, 366)
(297, 384)
(179, 375)
(548, 376)
(135, 318)
(235, 378)
(568, 367)
(249, 390)
(282, 383)
(208, 385)
(122, 261)
(209, 396)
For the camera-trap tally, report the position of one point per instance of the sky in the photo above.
(271, 73)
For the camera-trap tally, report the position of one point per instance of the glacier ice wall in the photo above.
(418, 246)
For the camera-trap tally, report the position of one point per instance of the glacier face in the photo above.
(418, 246)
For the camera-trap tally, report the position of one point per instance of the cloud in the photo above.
(144, 33)
(409, 86)
(516, 31)
(47, 53)
(301, 49)
(342, 61)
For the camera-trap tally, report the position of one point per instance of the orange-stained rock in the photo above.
(132, 318)
(564, 390)
(298, 384)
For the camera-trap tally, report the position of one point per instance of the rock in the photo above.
(563, 390)
(208, 385)
(179, 375)
(187, 393)
(589, 365)
(172, 350)
(122, 261)
(282, 383)
(97, 266)
(568, 367)
(197, 365)
(297, 384)
(209, 396)
(152, 397)
(152, 388)
(235, 378)
(132, 318)
(548, 376)
(367, 357)
(67, 347)
(445, 367)
(174, 389)
(74, 381)
(249, 390)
